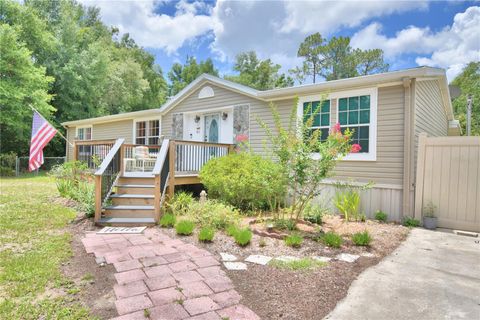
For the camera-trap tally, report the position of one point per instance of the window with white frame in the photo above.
(320, 111)
(84, 133)
(147, 132)
(356, 110)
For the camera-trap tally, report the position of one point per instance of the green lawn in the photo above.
(33, 244)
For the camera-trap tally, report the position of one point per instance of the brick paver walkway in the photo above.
(162, 278)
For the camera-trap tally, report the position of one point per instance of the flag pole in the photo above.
(61, 135)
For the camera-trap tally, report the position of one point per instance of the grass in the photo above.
(362, 238)
(33, 245)
(296, 265)
(294, 241)
(242, 237)
(206, 234)
(167, 220)
(332, 239)
(185, 227)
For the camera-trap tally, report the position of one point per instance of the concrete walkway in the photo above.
(432, 275)
(161, 278)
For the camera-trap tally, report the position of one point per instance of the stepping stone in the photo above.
(258, 259)
(322, 259)
(227, 257)
(235, 265)
(347, 257)
(287, 258)
(368, 255)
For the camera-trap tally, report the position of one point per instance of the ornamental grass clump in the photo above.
(362, 238)
(231, 230)
(294, 240)
(332, 239)
(167, 220)
(185, 227)
(242, 237)
(206, 234)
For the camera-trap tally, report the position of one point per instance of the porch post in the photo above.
(98, 198)
(75, 152)
(171, 177)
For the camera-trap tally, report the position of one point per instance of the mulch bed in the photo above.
(282, 294)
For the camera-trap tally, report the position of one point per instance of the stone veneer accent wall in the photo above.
(241, 121)
(177, 126)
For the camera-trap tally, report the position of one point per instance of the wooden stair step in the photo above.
(126, 221)
(129, 207)
(135, 186)
(129, 195)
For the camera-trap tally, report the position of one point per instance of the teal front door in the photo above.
(212, 127)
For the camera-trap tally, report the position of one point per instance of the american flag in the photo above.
(42, 133)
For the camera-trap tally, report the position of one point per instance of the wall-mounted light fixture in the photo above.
(224, 116)
(197, 118)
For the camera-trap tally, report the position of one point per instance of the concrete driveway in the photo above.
(432, 275)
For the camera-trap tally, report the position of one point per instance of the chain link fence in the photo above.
(21, 165)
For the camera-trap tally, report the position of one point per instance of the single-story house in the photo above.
(388, 112)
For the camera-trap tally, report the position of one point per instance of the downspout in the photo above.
(409, 136)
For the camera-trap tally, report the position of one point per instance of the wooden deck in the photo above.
(125, 197)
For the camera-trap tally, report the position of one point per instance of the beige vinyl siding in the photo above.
(104, 131)
(388, 168)
(430, 115)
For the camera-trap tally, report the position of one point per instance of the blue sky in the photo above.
(440, 33)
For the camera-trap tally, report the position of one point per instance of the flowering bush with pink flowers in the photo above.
(305, 159)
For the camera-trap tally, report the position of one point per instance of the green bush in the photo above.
(231, 230)
(206, 234)
(244, 180)
(185, 227)
(243, 237)
(410, 222)
(7, 164)
(180, 203)
(362, 238)
(294, 240)
(381, 216)
(314, 213)
(213, 213)
(84, 194)
(167, 220)
(331, 239)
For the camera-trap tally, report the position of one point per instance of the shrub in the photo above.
(244, 180)
(68, 176)
(185, 227)
(213, 213)
(206, 234)
(231, 230)
(84, 194)
(285, 224)
(243, 237)
(362, 238)
(294, 265)
(410, 222)
(331, 239)
(381, 216)
(7, 164)
(314, 213)
(167, 220)
(294, 240)
(180, 203)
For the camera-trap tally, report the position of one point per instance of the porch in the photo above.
(132, 181)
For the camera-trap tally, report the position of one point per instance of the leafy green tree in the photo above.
(370, 61)
(469, 83)
(23, 84)
(336, 59)
(258, 74)
(182, 75)
(312, 50)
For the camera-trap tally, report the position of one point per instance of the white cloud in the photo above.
(149, 29)
(328, 16)
(451, 48)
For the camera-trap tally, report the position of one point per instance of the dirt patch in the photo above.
(283, 294)
(95, 283)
